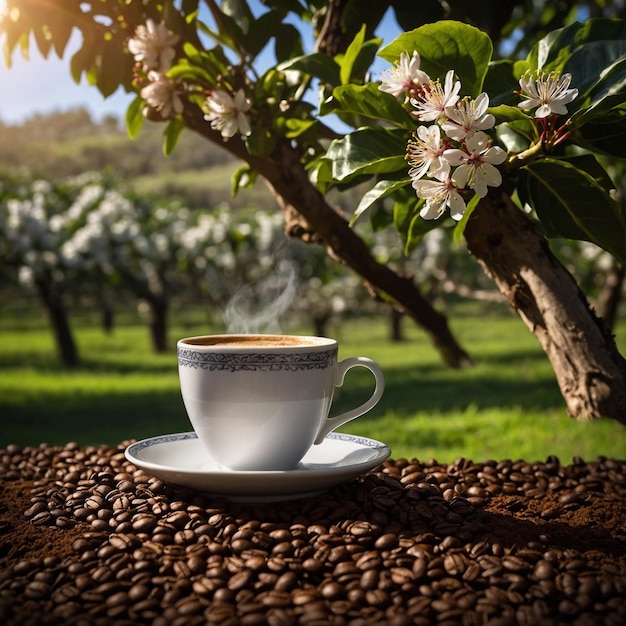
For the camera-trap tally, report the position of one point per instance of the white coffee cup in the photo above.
(259, 402)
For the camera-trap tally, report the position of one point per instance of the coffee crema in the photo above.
(251, 341)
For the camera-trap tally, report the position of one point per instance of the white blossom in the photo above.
(227, 114)
(434, 99)
(403, 76)
(438, 194)
(468, 116)
(162, 96)
(153, 45)
(476, 164)
(425, 153)
(549, 92)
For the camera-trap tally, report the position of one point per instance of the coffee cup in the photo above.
(259, 402)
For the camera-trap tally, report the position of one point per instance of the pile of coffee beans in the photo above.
(87, 539)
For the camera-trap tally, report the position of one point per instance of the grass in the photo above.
(505, 406)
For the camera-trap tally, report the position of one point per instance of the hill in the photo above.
(68, 143)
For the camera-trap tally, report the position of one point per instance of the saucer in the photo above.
(181, 459)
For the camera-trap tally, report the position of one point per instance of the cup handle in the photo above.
(342, 367)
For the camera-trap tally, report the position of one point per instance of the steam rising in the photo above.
(246, 313)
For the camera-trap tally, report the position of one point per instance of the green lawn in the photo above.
(505, 406)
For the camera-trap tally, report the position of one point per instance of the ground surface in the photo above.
(87, 539)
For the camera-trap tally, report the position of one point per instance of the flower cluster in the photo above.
(450, 153)
(450, 147)
(153, 47)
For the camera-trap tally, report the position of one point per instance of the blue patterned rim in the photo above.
(155, 441)
(234, 362)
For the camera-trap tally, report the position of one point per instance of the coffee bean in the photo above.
(332, 590)
(37, 590)
(515, 564)
(544, 570)
(455, 564)
(123, 542)
(240, 580)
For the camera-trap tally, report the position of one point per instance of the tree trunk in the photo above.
(289, 181)
(396, 318)
(611, 294)
(107, 318)
(589, 369)
(158, 324)
(320, 324)
(65, 344)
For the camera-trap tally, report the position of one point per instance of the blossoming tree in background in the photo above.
(86, 237)
(32, 234)
(503, 151)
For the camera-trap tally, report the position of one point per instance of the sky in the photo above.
(45, 85)
(42, 86)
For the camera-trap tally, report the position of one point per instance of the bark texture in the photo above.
(589, 369)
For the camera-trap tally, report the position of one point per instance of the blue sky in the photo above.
(43, 86)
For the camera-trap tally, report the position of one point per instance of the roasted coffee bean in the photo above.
(455, 564)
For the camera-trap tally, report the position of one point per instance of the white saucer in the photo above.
(181, 459)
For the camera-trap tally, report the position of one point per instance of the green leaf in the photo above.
(44, 43)
(608, 92)
(82, 59)
(172, 134)
(380, 190)
(505, 113)
(459, 229)
(295, 127)
(318, 65)
(186, 71)
(134, 117)
(368, 101)
(606, 134)
(571, 204)
(261, 142)
(362, 65)
(447, 45)
(261, 31)
(230, 30)
(380, 219)
(207, 65)
(348, 59)
(501, 82)
(554, 51)
(111, 61)
(513, 139)
(407, 220)
(288, 43)
(243, 177)
(357, 59)
(367, 151)
(418, 228)
(321, 173)
(589, 163)
(61, 30)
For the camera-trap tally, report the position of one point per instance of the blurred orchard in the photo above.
(87, 242)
